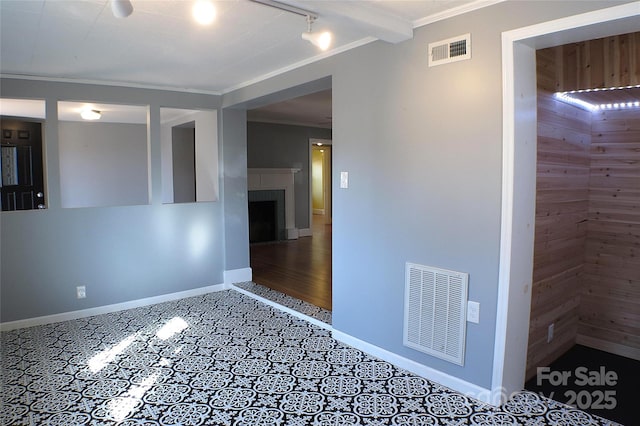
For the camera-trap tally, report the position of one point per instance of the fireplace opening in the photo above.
(266, 216)
(263, 221)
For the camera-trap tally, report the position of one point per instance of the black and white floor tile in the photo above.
(227, 359)
(298, 305)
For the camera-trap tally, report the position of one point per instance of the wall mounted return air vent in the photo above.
(436, 311)
(450, 50)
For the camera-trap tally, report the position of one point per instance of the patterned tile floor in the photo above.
(298, 305)
(227, 359)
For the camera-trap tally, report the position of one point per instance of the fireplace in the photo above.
(282, 182)
(266, 216)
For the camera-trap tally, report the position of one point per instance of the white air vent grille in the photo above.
(450, 50)
(435, 311)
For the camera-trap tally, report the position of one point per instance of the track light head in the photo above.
(321, 40)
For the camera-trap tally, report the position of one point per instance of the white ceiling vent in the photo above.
(435, 311)
(450, 50)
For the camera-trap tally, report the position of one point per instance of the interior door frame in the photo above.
(519, 144)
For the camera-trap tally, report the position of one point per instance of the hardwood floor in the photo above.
(300, 268)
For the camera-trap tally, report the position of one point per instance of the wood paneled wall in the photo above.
(605, 62)
(564, 136)
(610, 289)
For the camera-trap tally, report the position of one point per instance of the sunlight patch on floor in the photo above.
(174, 326)
(103, 358)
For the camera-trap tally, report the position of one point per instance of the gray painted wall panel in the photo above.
(103, 164)
(184, 165)
(119, 253)
(236, 222)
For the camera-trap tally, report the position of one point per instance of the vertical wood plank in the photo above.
(634, 58)
(570, 67)
(606, 62)
(559, 63)
(584, 65)
(596, 62)
(622, 46)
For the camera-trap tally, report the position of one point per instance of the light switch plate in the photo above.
(344, 179)
(473, 312)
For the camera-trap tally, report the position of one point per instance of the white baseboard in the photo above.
(292, 233)
(305, 232)
(238, 276)
(283, 308)
(318, 212)
(454, 383)
(84, 313)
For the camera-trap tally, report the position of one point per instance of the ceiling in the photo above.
(160, 45)
(312, 110)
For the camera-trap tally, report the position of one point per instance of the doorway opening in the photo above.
(283, 154)
(320, 152)
(21, 165)
(585, 269)
(518, 183)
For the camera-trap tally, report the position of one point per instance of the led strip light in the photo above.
(566, 97)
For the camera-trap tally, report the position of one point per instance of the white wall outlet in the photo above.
(550, 333)
(473, 311)
(81, 291)
(344, 179)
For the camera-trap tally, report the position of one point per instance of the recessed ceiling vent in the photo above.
(450, 50)
(435, 311)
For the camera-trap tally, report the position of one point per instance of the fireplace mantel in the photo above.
(277, 179)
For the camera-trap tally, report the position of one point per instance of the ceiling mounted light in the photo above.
(90, 114)
(204, 12)
(121, 8)
(321, 40)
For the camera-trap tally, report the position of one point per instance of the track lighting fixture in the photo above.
(321, 40)
(121, 8)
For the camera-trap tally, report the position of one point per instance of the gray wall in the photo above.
(423, 147)
(119, 253)
(286, 146)
(233, 131)
(103, 164)
(183, 142)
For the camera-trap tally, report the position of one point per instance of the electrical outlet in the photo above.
(550, 333)
(81, 291)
